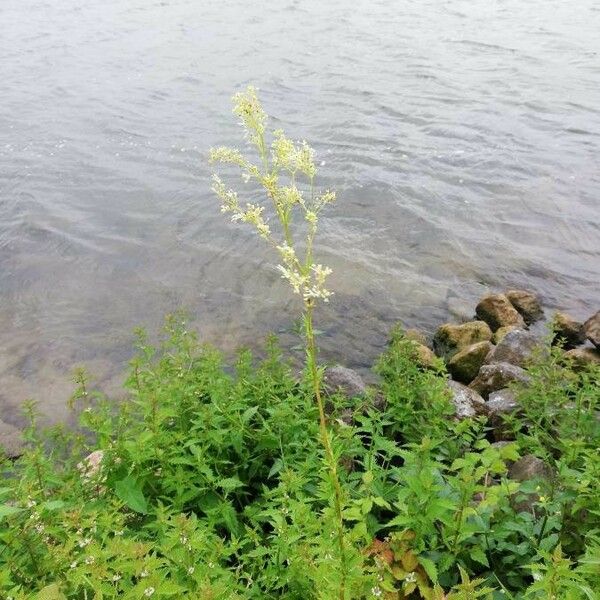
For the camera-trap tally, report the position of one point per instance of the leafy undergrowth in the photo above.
(212, 484)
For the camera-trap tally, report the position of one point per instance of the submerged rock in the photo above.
(568, 330)
(467, 402)
(11, 441)
(495, 376)
(517, 347)
(465, 364)
(450, 338)
(527, 305)
(497, 311)
(345, 381)
(591, 329)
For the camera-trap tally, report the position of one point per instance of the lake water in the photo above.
(463, 138)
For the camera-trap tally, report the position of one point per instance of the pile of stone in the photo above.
(485, 356)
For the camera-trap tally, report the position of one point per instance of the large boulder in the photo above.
(583, 357)
(344, 381)
(495, 376)
(497, 311)
(11, 441)
(591, 328)
(567, 330)
(467, 402)
(527, 305)
(517, 347)
(465, 364)
(450, 338)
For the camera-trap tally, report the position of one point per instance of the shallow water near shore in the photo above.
(463, 139)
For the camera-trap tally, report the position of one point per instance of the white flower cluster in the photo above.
(304, 276)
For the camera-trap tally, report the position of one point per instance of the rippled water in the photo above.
(463, 138)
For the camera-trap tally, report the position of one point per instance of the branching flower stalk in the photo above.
(283, 164)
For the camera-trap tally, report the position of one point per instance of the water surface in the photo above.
(463, 137)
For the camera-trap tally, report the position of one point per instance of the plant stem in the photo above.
(311, 352)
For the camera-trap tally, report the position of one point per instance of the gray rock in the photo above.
(467, 402)
(567, 330)
(346, 381)
(497, 311)
(465, 364)
(450, 338)
(527, 305)
(529, 467)
(495, 376)
(502, 402)
(517, 347)
(11, 441)
(501, 332)
(591, 328)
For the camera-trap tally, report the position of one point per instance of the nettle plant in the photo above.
(286, 172)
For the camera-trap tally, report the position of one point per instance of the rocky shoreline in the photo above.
(486, 355)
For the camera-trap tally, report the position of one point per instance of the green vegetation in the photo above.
(247, 481)
(214, 484)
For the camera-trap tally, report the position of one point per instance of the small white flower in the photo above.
(116, 577)
(89, 560)
(144, 573)
(120, 532)
(85, 542)
(148, 591)
(376, 591)
(73, 564)
(411, 578)
(190, 570)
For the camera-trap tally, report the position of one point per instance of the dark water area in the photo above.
(463, 138)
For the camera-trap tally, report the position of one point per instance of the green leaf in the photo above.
(51, 592)
(429, 567)
(230, 483)
(478, 555)
(6, 510)
(53, 505)
(249, 413)
(129, 490)
(229, 517)
(277, 466)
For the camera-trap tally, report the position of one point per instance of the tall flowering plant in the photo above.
(286, 172)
